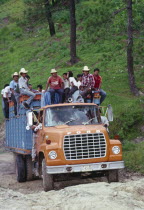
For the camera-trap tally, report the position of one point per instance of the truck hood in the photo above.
(67, 130)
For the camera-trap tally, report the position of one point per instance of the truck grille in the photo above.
(84, 146)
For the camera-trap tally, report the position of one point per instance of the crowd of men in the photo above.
(86, 83)
(65, 87)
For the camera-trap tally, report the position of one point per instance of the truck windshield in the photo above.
(71, 115)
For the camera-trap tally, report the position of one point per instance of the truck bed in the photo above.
(19, 139)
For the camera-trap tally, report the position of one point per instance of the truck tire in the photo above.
(113, 176)
(20, 168)
(29, 168)
(48, 183)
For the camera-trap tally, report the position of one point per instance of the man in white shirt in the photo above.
(3, 104)
(66, 87)
(6, 98)
(2, 91)
(79, 80)
(24, 89)
(73, 84)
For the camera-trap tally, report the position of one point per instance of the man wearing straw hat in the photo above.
(15, 93)
(24, 89)
(56, 86)
(87, 83)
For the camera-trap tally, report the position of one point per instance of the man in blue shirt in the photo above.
(15, 91)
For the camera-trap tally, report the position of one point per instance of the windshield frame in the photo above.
(98, 118)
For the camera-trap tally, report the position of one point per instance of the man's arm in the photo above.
(47, 84)
(92, 81)
(100, 82)
(7, 97)
(82, 82)
(11, 87)
(61, 83)
(20, 83)
(12, 90)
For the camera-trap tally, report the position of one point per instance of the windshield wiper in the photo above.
(70, 121)
(86, 123)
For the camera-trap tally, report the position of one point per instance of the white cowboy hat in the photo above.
(86, 68)
(53, 71)
(15, 74)
(23, 71)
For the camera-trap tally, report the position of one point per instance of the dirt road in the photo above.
(87, 193)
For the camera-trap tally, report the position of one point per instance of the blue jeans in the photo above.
(3, 107)
(28, 93)
(47, 98)
(103, 95)
(72, 90)
(53, 91)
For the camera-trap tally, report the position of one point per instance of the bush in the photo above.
(3, 1)
(127, 123)
(133, 155)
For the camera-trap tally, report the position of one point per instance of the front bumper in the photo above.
(102, 166)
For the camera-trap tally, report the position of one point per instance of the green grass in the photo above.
(133, 155)
(100, 44)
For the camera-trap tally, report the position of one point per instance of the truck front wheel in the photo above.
(113, 176)
(48, 183)
(20, 168)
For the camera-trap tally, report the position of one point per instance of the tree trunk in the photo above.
(53, 2)
(73, 56)
(49, 18)
(132, 84)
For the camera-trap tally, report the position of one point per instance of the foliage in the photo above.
(134, 156)
(3, 1)
(128, 121)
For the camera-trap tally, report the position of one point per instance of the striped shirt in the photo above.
(88, 81)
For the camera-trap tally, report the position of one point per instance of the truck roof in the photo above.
(69, 104)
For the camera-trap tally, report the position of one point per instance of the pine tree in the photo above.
(131, 76)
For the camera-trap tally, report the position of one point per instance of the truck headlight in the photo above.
(52, 155)
(116, 150)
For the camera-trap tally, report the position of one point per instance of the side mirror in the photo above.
(110, 113)
(29, 120)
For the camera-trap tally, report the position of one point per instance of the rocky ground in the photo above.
(87, 193)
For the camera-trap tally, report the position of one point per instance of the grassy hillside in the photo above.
(101, 42)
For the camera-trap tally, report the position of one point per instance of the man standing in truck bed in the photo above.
(24, 89)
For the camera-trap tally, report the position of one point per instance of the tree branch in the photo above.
(118, 11)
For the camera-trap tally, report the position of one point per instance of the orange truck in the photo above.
(62, 139)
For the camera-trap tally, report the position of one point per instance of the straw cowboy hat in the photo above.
(15, 74)
(53, 71)
(23, 71)
(86, 68)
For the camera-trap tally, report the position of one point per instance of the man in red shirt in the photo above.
(98, 82)
(56, 86)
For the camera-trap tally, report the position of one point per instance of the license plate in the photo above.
(86, 168)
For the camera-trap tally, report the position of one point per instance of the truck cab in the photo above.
(68, 138)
